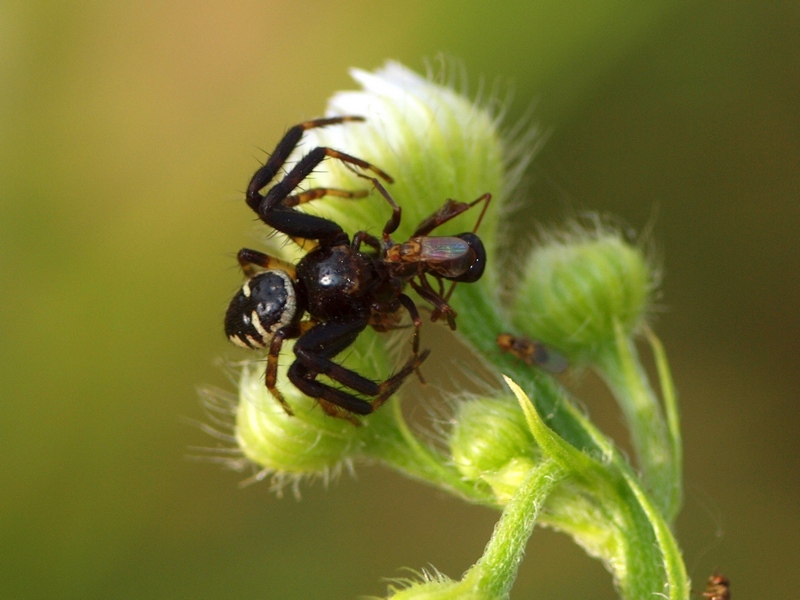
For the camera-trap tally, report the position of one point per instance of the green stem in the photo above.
(677, 579)
(398, 448)
(496, 570)
(673, 419)
(622, 370)
(635, 542)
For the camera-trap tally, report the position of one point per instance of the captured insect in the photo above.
(341, 286)
(718, 588)
(458, 259)
(532, 352)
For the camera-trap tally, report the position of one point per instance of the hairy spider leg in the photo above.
(249, 258)
(343, 405)
(271, 377)
(314, 194)
(272, 207)
(289, 142)
(284, 149)
(394, 221)
(314, 351)
(363, 237)
(450, 210)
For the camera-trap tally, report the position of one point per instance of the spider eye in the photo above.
(265, 303)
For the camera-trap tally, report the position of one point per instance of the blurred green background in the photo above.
(128, 131)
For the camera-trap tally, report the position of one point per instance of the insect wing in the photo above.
(443, 249)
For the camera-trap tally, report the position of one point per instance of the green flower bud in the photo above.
(577, 286)
(310, 443)
(491, 441)
(435, 143)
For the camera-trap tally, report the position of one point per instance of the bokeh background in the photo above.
(128, 131)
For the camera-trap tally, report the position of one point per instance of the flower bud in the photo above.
(576, 287)
(308, 443)
(491, 441)
(435, 143)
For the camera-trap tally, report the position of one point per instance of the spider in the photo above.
(338, 289)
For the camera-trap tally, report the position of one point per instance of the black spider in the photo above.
(337, 289)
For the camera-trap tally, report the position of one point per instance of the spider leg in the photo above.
(271, 209)
(309, 243)
(394, 221)
(328, 396)
(284, 149)
(362, 237)
(274, 207)
(326, 340)
(316, 193)
(314, 351)
(271, 376)
(450, 210)
(249, 258)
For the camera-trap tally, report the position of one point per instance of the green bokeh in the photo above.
(127, 134)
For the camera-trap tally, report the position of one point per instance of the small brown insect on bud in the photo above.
(532, 352)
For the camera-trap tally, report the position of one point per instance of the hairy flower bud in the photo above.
(491, 441)
(578, 286)
(435, 143)
(308, 443)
